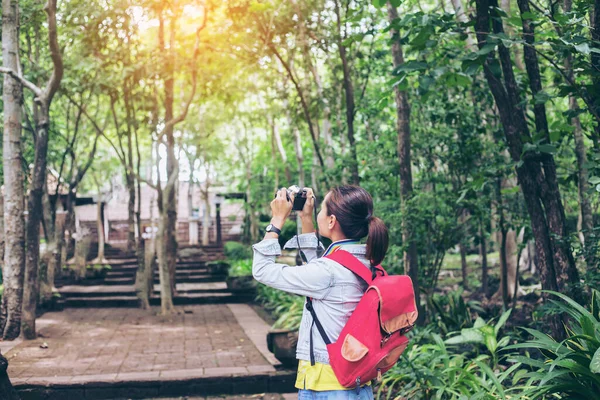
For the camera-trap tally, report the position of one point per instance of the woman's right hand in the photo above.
(309, 207)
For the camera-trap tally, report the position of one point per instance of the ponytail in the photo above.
(353, 209)
(377, 241)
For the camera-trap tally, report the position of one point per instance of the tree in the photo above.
(404, 160)
(14, 224)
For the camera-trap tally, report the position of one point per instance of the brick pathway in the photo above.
(116, 344)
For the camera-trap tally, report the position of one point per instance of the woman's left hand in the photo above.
(281, 208)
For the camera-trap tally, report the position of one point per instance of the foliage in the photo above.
(451, 312)
(570, 367)
(428, 369)
(237, 251)
(241, 268)
(285, 307)
(486, 334)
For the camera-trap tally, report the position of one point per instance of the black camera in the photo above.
(299, 199)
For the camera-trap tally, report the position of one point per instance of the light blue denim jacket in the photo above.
(334, 289)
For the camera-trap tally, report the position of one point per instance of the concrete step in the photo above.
(107, 301)
(197, 288)
(196, 278)
(204, 382)
(97, 291)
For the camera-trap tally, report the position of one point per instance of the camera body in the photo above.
(299, 199)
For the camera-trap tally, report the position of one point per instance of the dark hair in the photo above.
(353, 209)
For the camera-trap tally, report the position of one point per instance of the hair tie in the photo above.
(369, 217)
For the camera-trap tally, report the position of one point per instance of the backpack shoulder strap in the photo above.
(352, 263)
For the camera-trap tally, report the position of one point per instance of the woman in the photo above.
(346, 216)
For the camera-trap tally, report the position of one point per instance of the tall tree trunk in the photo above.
(404, 160)
(170, 205)
(34, 218)
(14, 224)
(595, 59)
(566, 270)
(515, 126)
(463, 266)
(349, 91)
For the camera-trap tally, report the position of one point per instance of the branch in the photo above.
(29, 85)
(183, 114)
(57, 72)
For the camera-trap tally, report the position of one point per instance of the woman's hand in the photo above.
(309, 206)
(306, 215)
(281, 208)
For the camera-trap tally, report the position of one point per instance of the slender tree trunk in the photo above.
(34, 218)
(100, 229)
(463, 266)
(130, 181)
(14, 224)
(349, 91)
(1, 229)
(483, 256)
(585, 208)
(404, 159)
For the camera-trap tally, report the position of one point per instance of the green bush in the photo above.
(285, 307)
(237, 251)
(428, 369)
(451, 312)
(570, 368)
(241, 268)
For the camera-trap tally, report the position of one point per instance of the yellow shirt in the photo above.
(318, 377)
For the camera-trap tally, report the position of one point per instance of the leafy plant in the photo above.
(290, 315)
(485, 334)
(237, 251)
(428, 369)
(452, 313)
(571, 367)
(241, 268)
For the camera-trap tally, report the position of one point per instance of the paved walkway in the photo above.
(117, 345)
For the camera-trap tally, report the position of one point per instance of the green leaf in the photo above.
(396, 3)
(379, 3)
(411, 66)
(583, 48)
(502, 321)
(541, 97)
(547, 148)
(595, 363)
(594, 180)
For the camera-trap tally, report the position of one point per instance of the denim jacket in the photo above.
(334, 289)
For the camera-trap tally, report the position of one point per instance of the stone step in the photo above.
(196, 288)
(97, 291)
(196, 278)
(132, 301)
(106, 301)
(204, 382)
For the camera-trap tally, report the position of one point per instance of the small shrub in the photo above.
(237, 251)
(241, 268)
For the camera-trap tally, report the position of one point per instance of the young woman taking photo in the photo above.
(346, 217)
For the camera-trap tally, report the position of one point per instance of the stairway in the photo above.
(194, 283)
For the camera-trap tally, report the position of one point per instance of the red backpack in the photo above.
(373, 338)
